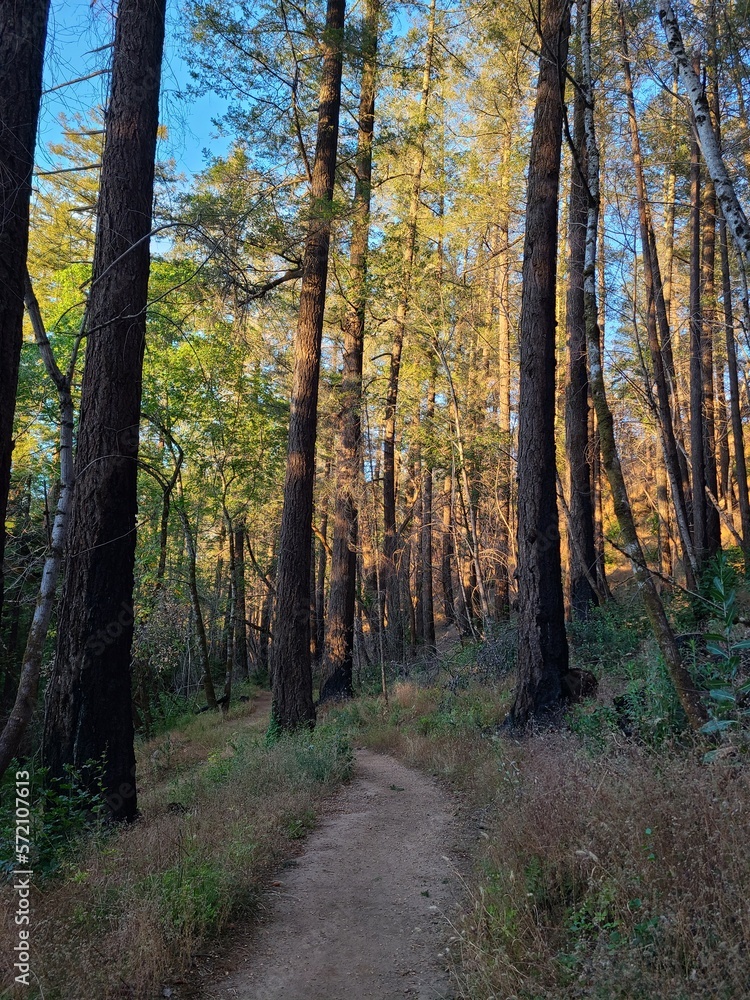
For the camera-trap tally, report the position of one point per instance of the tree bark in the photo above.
(656, 324)
(390, 535)
(581, 525)
(240, 658)
(339, 633)
(697, 436)
(542, 643)
(291, 670)
(662, 630)
(725, 190)
(708, 322)
(23, 31)
(446, 561)
(88, 711)
(428, 606)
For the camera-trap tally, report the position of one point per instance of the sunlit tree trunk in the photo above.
(446, 560)
(427, 602)
(291, 672)
(740, 463)
(662, 630)
(656, 323)
(390, 540)
(339, 646)
(581, 526)
(697, 401)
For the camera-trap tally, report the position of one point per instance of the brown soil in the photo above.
(365, 911)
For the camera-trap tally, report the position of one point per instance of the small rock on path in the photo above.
(364, 914)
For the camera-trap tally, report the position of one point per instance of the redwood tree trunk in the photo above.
(542, 643)
(291, 671)
(88, 709)
(23, 30)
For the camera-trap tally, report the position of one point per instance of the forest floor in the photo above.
(365, 910)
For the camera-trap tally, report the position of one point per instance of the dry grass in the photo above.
(624, 874)
(133, 908)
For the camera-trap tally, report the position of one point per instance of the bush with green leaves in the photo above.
(609, 634)
(723, 674)
(62, 811)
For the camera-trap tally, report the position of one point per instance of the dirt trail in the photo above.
(363, 914)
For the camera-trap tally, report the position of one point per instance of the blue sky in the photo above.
(79, 26)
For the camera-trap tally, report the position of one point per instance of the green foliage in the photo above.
(610, 633)
(63, 814)
(593, 724)
(722, 675)
(190, 893)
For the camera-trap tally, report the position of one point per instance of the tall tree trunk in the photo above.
(697, 435)
(291, 671)
(740, 463)
(663, 634)
(656, 324)
(446, 561)
(708, 322)
(542, 643)
(320, 577)
(195, 603)
(710, 147)
(240, 603)
(339, 642)
(88, 710)
(505, 491)
(428, 606)
(581, 526)
(390, 539)
(662, 505)
(23, 30)
(31, 666)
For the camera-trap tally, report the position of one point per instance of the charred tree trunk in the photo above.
(542, 643)
(23, 30)
(89, 705)
(291, 670)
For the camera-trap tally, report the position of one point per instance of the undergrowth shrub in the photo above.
(609, 634)
(61, 814)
